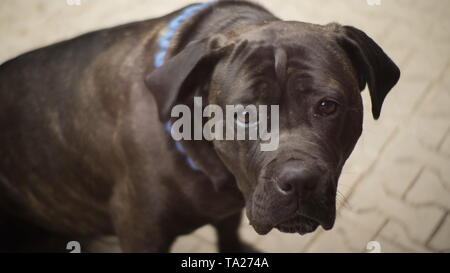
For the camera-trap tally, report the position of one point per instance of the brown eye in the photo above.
(243, 119)
(247, 117)
(327, 107)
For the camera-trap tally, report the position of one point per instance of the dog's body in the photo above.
(84, 153)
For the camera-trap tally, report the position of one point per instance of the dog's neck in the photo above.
(160, 57)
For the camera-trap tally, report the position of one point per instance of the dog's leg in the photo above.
(138, 225)
(228, 235)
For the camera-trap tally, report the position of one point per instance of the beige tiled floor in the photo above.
(395, 187)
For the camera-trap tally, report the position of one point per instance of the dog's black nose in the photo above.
(296, 178)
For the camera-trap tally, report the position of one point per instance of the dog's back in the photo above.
(56, 149)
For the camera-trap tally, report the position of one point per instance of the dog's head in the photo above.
(315, 74)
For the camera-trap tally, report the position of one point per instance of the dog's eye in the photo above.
(244, 119)
(327, 107)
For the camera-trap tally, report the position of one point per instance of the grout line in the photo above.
(414, 182)
(380, 229)
(436, 229)
(441, 142)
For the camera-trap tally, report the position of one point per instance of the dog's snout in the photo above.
(306, 191)
(297, 179)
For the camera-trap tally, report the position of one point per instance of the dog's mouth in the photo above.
(290, 214)
(298, 224)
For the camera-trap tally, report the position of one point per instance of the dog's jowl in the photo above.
(85, 143)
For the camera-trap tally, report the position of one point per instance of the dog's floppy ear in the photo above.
(166, 82)
(373, 66)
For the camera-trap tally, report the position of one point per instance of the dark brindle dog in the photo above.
(83, 145)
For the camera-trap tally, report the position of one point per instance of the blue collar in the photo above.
(164, 44)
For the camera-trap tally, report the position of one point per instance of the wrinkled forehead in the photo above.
(296, 39)
(275, 51)
(275, 31)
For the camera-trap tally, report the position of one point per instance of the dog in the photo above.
(85, 150)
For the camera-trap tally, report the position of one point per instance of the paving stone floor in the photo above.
(395, 188)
